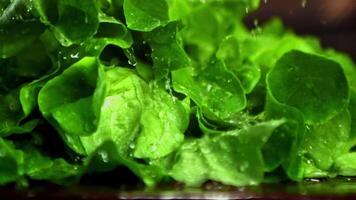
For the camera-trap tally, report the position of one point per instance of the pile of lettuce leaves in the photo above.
(171, 90)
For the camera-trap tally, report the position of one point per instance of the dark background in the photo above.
(333, 21)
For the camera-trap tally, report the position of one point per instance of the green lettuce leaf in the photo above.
(144, 15)
(73, 21)
(314, 85)
(171, 90)
(18, 27)
(215, 89)
(219, 159)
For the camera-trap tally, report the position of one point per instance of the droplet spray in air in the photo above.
(257, 29)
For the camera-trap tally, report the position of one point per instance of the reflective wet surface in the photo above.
(339, 188)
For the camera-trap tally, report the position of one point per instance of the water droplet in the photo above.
(12, 106)
(75, 55)
(225, 146)
(153, 148)
(307, 127)
(132, 62)
(264, 139)
(244, 166)
(29, 9)
(252, 183)
(247, 10)
(314, 180)
(132, 145)
(77, 159)
(209, 87)
(255, 22)
(304, 3)
(104, 156)
(86, 20)
(167, 84)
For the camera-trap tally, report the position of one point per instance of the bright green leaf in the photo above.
(314, 85)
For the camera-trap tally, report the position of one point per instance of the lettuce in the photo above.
(171, 90)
